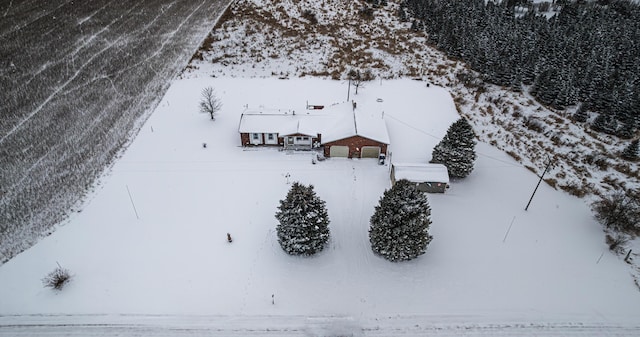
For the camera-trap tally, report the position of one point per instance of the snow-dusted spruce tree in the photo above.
(632, 151)
(303, 227)
(400, 224)
(457, 149)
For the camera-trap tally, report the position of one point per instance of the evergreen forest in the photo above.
(587, 54)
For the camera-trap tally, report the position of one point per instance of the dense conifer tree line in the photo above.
(588, 52)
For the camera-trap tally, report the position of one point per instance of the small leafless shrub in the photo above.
(627, 170)
(514, 156)
(57, 279)
(619, 212)
(551, 182)
(557, 139)
(534, 124)
(597, 159)
(616, 241)
(310, 16)
(574, 188)
(516, 113)
(490, 110)
(366, 12)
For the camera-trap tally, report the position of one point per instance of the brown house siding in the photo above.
(355, 143)
(244, 139)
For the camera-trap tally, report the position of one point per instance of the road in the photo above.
(171, 325)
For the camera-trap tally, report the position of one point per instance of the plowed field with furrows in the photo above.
(77, 78)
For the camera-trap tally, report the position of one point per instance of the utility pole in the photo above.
(349, 89)
(539, 181)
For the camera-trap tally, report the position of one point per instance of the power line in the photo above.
(435, 137)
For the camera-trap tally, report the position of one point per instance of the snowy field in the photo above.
(490, 262)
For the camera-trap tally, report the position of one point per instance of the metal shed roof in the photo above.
(418, 173)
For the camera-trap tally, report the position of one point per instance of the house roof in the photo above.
(417, 173)
(372, 127)
(333, 123)
(269, 122)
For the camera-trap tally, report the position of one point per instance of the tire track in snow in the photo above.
(254, 263)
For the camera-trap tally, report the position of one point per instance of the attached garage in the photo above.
(339, 151)
(355, 147)
(370, 152)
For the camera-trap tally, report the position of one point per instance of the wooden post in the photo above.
(132, 204)
(508, 230)
(626, 258)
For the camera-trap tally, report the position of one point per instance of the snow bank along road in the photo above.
(134, 325)
(75, 79)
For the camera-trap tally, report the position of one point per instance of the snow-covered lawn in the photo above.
(489, 259)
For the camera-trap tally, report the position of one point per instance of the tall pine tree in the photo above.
(457, 149)
(303, 227)
(400, 225)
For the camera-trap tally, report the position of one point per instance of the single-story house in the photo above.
(432, 178)
(285, 129)
(340, 130)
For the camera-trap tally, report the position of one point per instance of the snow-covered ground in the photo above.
(151, 240)
(274, 38)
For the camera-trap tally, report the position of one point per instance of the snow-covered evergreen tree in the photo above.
(632, 151)
(457, 149)
(400, 225)
(303, 227)
(581, 115)
(604, 123)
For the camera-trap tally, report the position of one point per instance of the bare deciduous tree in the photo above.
(619, 211)
(358, 78)
(210, 103)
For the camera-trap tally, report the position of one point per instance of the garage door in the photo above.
(339, 151)
(370, 152)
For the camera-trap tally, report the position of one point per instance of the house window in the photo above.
(305, 139)
(255, 136)
(298, 138)
(270, 136)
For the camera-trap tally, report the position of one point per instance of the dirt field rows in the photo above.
(77, 78)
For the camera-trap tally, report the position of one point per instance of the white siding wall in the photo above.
(255, 138)
(271, 138)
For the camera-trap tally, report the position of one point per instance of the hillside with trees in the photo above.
(588, 54)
